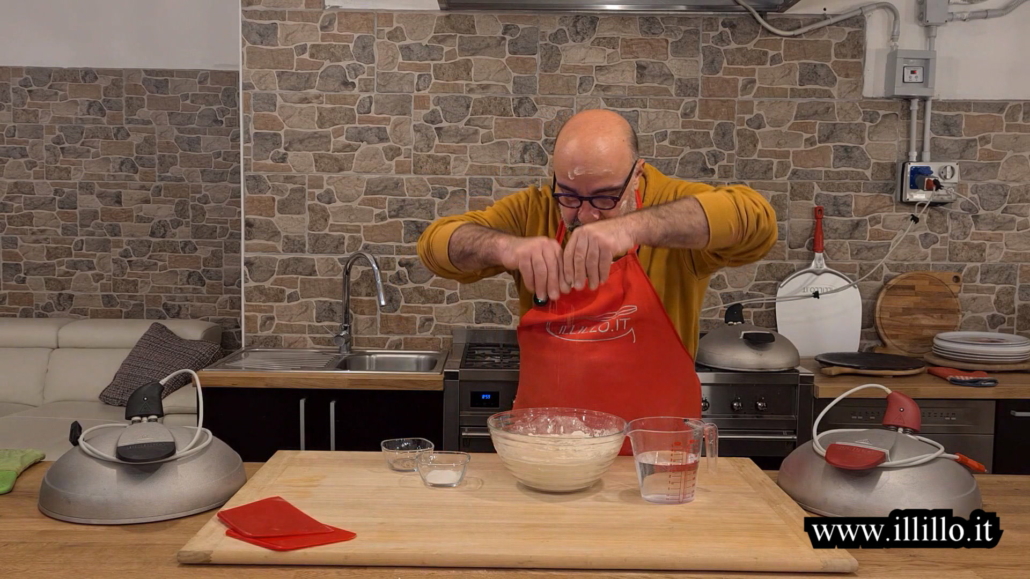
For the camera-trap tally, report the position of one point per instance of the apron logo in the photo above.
(603, 328)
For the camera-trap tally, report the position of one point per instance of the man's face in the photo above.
(602, 184)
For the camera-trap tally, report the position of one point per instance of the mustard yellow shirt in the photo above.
(742, 225)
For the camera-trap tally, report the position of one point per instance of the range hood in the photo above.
(676, 6)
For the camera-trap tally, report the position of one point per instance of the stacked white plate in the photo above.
(982, 347)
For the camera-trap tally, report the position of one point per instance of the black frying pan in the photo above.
(870, 364)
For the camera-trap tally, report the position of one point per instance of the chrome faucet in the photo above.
(345, 338)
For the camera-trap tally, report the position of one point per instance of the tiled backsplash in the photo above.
(362, 127)
(120, 194)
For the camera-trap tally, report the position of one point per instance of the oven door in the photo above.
(755, 443)
(765, 448)
(475, 439)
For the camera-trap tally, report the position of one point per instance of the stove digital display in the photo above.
(485, 400)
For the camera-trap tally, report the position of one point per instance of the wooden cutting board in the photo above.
(739, 521)
(914, 307)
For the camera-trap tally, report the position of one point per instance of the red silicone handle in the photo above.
(818, 244)
(851, 457)
(969, 463)
(902, 412)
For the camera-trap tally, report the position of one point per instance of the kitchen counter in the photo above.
(318, 369)
(36, 546)
(320, 380)
(1011, 385)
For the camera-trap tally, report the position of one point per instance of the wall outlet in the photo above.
(919, 181)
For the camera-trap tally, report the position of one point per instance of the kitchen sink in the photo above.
(392, 361)
(323, 360)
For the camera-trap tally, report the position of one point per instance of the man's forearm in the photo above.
(474, 247)
(680, 224)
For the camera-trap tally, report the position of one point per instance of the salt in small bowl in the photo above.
(442, 469)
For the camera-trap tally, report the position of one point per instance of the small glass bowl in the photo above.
(400, 453)
(442, 468)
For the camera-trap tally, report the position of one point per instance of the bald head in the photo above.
(596, 131)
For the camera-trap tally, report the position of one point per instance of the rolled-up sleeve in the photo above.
(742, 226)
(507, 215)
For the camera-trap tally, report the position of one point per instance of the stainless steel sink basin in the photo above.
(391, 361)
(318, 360)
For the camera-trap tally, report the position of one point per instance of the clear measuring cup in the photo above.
(667, 451)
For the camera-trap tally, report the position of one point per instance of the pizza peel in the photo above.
(829, 323)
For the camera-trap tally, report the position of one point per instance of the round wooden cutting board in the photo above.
(916, 306)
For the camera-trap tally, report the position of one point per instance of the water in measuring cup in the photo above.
(667, 476)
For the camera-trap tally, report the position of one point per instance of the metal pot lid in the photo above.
(827, 490)
(742, 347)
(81, 489)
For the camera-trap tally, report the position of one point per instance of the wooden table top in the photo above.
(1011, 385)
(32, 545)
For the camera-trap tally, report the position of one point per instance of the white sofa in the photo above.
(52, 371)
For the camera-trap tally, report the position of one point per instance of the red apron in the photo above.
(613, 349)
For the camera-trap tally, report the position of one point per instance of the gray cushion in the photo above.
(22, 374)
(12, 408)
(182, 401)
(158, 353)
(31, 332)
(43, 433)
(102, 334)
(81, 373)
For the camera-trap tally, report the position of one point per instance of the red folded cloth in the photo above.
(963, 377)
(276, 524)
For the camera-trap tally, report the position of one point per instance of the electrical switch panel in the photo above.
(936, 182)
(910, 73)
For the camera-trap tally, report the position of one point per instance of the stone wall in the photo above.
(120, 194)
(362, 127)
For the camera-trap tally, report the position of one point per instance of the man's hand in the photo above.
(539, 260)
(592, 248)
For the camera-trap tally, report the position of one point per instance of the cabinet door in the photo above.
(362, 419)
(1011, 431)
(256, 422)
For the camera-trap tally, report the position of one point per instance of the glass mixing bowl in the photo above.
(557, 449)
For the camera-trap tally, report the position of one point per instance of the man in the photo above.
(609, 333)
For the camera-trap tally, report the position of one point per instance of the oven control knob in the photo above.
(761, 405)
(737, 405)
(704, 405)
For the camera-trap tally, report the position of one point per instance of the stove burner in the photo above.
(491, 356)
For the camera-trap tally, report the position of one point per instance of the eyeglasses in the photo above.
(602, 202)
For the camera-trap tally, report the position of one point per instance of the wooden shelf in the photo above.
(1011, 385)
